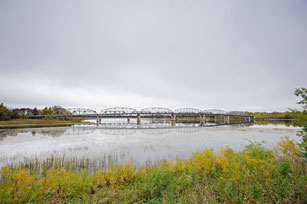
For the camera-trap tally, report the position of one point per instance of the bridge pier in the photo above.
(226, 119)
(138, 118)
(98, 119)
(201, 119)
(174, 119)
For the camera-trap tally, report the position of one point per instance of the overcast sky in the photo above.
(231, 55)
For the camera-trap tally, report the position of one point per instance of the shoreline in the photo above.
(38, 123)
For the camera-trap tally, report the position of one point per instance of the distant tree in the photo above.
(300, 118)
(14, 113)
(47, 111)
(58, 110)
(25, 111)
(29, 111)
(35, 111)
(4, 112)
(302, 92)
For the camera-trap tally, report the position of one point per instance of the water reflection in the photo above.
(119, 142)
(188, 130)
(156, 131)
(287, 123)
(118, 131)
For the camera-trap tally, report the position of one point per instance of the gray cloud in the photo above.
(246, 55)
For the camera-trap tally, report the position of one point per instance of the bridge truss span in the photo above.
(187, 111)
(81, 112)
(154, 111)
(215, 112)
(119, 112)
(186, 115)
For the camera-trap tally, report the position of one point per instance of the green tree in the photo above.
(47, 111)
(14, 113)
(58, 110)
(4, 112)
(300, 118)
(35, 111)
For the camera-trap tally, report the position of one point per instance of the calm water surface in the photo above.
(119, 141)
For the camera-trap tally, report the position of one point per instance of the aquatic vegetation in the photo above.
(253, 175)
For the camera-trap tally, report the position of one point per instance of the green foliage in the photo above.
(47, 111)
(24, 116)
(284, 168)
(300, 119)
(302, 92)
(4, 112)
(24, 113)
(7, 114)
(254, 175)
(51, 117)
(35, 111)
(263, 116)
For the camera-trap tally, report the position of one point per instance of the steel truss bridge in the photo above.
(200, 116)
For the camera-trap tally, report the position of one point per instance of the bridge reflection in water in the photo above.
(155, 113)
(149, 129)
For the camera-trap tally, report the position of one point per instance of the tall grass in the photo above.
(253, 175)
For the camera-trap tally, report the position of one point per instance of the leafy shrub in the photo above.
(51, 117)
(254, 175)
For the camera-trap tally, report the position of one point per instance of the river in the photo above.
(117, 141)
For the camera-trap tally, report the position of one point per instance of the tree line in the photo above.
(16, 113)
(273, 115)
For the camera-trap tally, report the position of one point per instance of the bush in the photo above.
(51, 117)
(300, 119)
(254, 175)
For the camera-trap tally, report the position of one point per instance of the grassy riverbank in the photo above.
(29, 123)
(254, 175)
